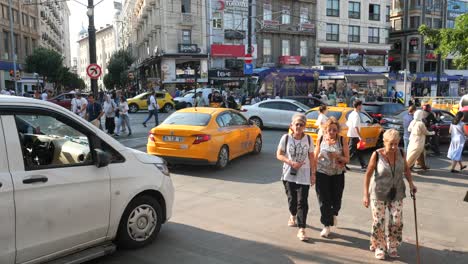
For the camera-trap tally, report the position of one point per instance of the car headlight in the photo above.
(163, 168)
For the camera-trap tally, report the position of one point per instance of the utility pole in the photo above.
(443, 11)
(92, 43)
(249, 41)
(12, 36)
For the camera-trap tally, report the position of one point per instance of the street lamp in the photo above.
(12, 36)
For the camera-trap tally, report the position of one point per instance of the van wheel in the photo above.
(140, 223)
(257, 121)
(168, 108)
(223, 157)
(133, 108)
(258, 145)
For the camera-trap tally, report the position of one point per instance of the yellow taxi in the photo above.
(204, 135)
(139, 102)
(370, 131)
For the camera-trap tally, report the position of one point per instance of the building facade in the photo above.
(26, 38)
(105, 47)
(353, 34)
(286, 32)
(169, 40)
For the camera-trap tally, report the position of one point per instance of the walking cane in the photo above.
(418, 257)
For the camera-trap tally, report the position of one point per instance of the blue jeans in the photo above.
(406, 143)
(151, 113)
(123, 120)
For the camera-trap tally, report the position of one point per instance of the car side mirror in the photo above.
(102, 158)
(299, 110)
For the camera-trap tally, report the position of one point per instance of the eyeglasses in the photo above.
(300, 124)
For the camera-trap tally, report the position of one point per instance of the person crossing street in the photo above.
(153, 108)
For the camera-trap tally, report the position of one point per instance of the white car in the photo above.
(275, 113)
(189, 97)
(70, 192)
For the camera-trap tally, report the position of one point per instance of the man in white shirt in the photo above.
(354, 133)
(45, 96)
(79, 104)
(153, 108)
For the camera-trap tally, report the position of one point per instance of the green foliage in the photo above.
(118, 66)
(450, 40)
(45, 62)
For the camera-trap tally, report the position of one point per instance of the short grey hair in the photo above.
(390, 135)
(299, 117)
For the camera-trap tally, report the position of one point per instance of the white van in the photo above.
(188, 98)
(68, 191)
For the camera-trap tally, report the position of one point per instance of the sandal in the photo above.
(371, 248)
(392, 252)
(463, 167)
(302, 235)
(379, 254)
(292, 221)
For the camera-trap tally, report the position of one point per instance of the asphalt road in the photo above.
(239, 215)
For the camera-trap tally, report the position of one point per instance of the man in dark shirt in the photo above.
(93, 111)
(429, 120)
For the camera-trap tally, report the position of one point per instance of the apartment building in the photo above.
(286, 32)
(169, 40)
(26, 38)
(353, 34)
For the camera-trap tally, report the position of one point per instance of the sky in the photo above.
(103, 14)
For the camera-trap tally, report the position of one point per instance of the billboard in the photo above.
(455, 9)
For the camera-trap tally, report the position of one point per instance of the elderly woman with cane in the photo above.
(384, 189)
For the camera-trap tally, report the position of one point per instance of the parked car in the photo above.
(380, 109)
(311, 102)
(140, 102)
(275, 113)
(442, 127)
(188, 98)
(69, 191)
(371, 131)
(204, 135)
(65, 99)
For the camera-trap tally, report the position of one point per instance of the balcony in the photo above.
(186, 19)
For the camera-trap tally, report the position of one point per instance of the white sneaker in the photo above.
(335, 221)
(325, 231)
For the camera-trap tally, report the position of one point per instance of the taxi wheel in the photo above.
(168, 108)
(258, 145)
(133, 108)
(257, 121)
(223, 157)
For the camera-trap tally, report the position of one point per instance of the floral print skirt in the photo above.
(378, 239)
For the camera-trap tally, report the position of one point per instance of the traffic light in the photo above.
(12, 73)
(18, 75)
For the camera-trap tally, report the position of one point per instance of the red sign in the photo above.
(290, 60)
(248, 58)
(94, 71)
(220, 50)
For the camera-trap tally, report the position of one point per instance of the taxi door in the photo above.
(230, 134)
(370, 132)
(246, 139)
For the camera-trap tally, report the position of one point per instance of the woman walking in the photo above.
(123, 113)
(384, 189)
(457, 142)
(109, 112)
(417, 139)
(322, 119)
(296, 152)
(331, 155)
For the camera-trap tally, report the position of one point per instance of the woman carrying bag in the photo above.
(384, 189)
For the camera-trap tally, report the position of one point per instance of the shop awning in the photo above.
(364, 77)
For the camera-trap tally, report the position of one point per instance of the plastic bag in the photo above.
(361, 145)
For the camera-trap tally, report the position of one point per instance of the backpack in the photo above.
(287, 138)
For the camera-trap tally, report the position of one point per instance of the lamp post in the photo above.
(92, 43)
(12, 36)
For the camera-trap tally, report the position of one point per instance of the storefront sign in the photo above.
(224, 74)
(221, 50)
(236, 4)
(189, 48)
(290, 60)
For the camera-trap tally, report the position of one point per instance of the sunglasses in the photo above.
(300, 124)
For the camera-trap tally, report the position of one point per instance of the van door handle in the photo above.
(35, 178)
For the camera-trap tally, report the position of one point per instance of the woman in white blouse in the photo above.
(322, 119)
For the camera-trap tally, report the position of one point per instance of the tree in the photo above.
(450, 40)
(118, 66)
(46, 62)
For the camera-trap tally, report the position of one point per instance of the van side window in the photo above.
(47, 142)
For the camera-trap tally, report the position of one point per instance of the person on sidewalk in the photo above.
(354, 133)
(407, 118)
(200, 100)
(417, 140)
(384, 189)
(296, 152)
(94, 112)
(322, 119)
(123, 110)
(457, 143)
(153, 108)
(331, 155)
(78, 105)
(110, 107)
(429, 120)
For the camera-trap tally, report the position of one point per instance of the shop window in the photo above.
(187, 69)
(375, 60)
(329, 59)
(352, 60)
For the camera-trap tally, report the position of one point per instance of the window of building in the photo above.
(6, 45)
(286, 15)
(450, 64)
(374, 12)
(436, 23)
(374, 35)
(387, 14)
(332, 32)
(354, 10)
(355, 60)
(15, 16)
(304, 15)
(26, 46)
(333, 8)
(267, 14)
(354, 34)
(186, 37)
(414, 45)
(414, 22)
(375, 60)
(429, 22)
(4, 11)
(430, 66)
(303, 48)
(24, 17)
(186, 6)
(17, 45)
(266, 50)
(285, 47)
(329, 59)
(397, 25)
(415, 3)
(217, 21)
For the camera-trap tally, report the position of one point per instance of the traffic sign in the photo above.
(248, 68)
(94, 71)
(248, 58)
